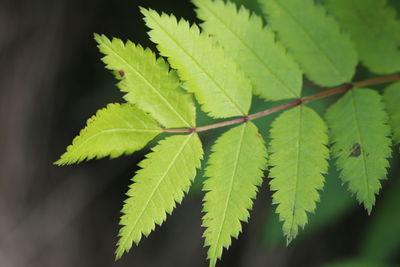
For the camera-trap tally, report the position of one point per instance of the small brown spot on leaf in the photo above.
(398, 48)
(121, 73)
(355, 151)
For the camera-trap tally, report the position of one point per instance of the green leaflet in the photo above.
(115, 130)
(165, 177)
(219, 87)
(273, 73)
(392, 101)
(375, 30)
(299, 158)
(325, 54)
(148, 82)
(359, 132)
(234, 170)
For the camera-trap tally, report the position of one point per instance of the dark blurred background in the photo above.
(52, 80)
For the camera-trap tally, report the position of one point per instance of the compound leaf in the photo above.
(221, 89)
(299, 158)
(392, 99)
(374, 29)
(165, 177)
(115, 130)
(234, 170)
(273, 73)
(148, 82)
(326, 55)
(359, 133)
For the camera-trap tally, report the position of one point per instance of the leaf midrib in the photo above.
(297, 171)
(230, 190)
(354, 107)
(112, 131)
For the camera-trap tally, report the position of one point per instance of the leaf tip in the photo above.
(213, 262)
(58, 162)
(289, 240)
(99, 38)
(368, 206)
(145, 12)
(119, 252)
(63, 160)
(369, 210)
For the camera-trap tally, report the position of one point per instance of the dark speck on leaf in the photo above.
(355, 151)
(121, 73)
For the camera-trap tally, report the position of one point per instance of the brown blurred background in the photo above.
(51, 81)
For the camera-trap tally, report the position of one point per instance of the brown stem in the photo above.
(384, 79)
(303, 100)
(330, 92)
(221, 124)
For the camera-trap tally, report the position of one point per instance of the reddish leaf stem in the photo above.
(303, 100)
